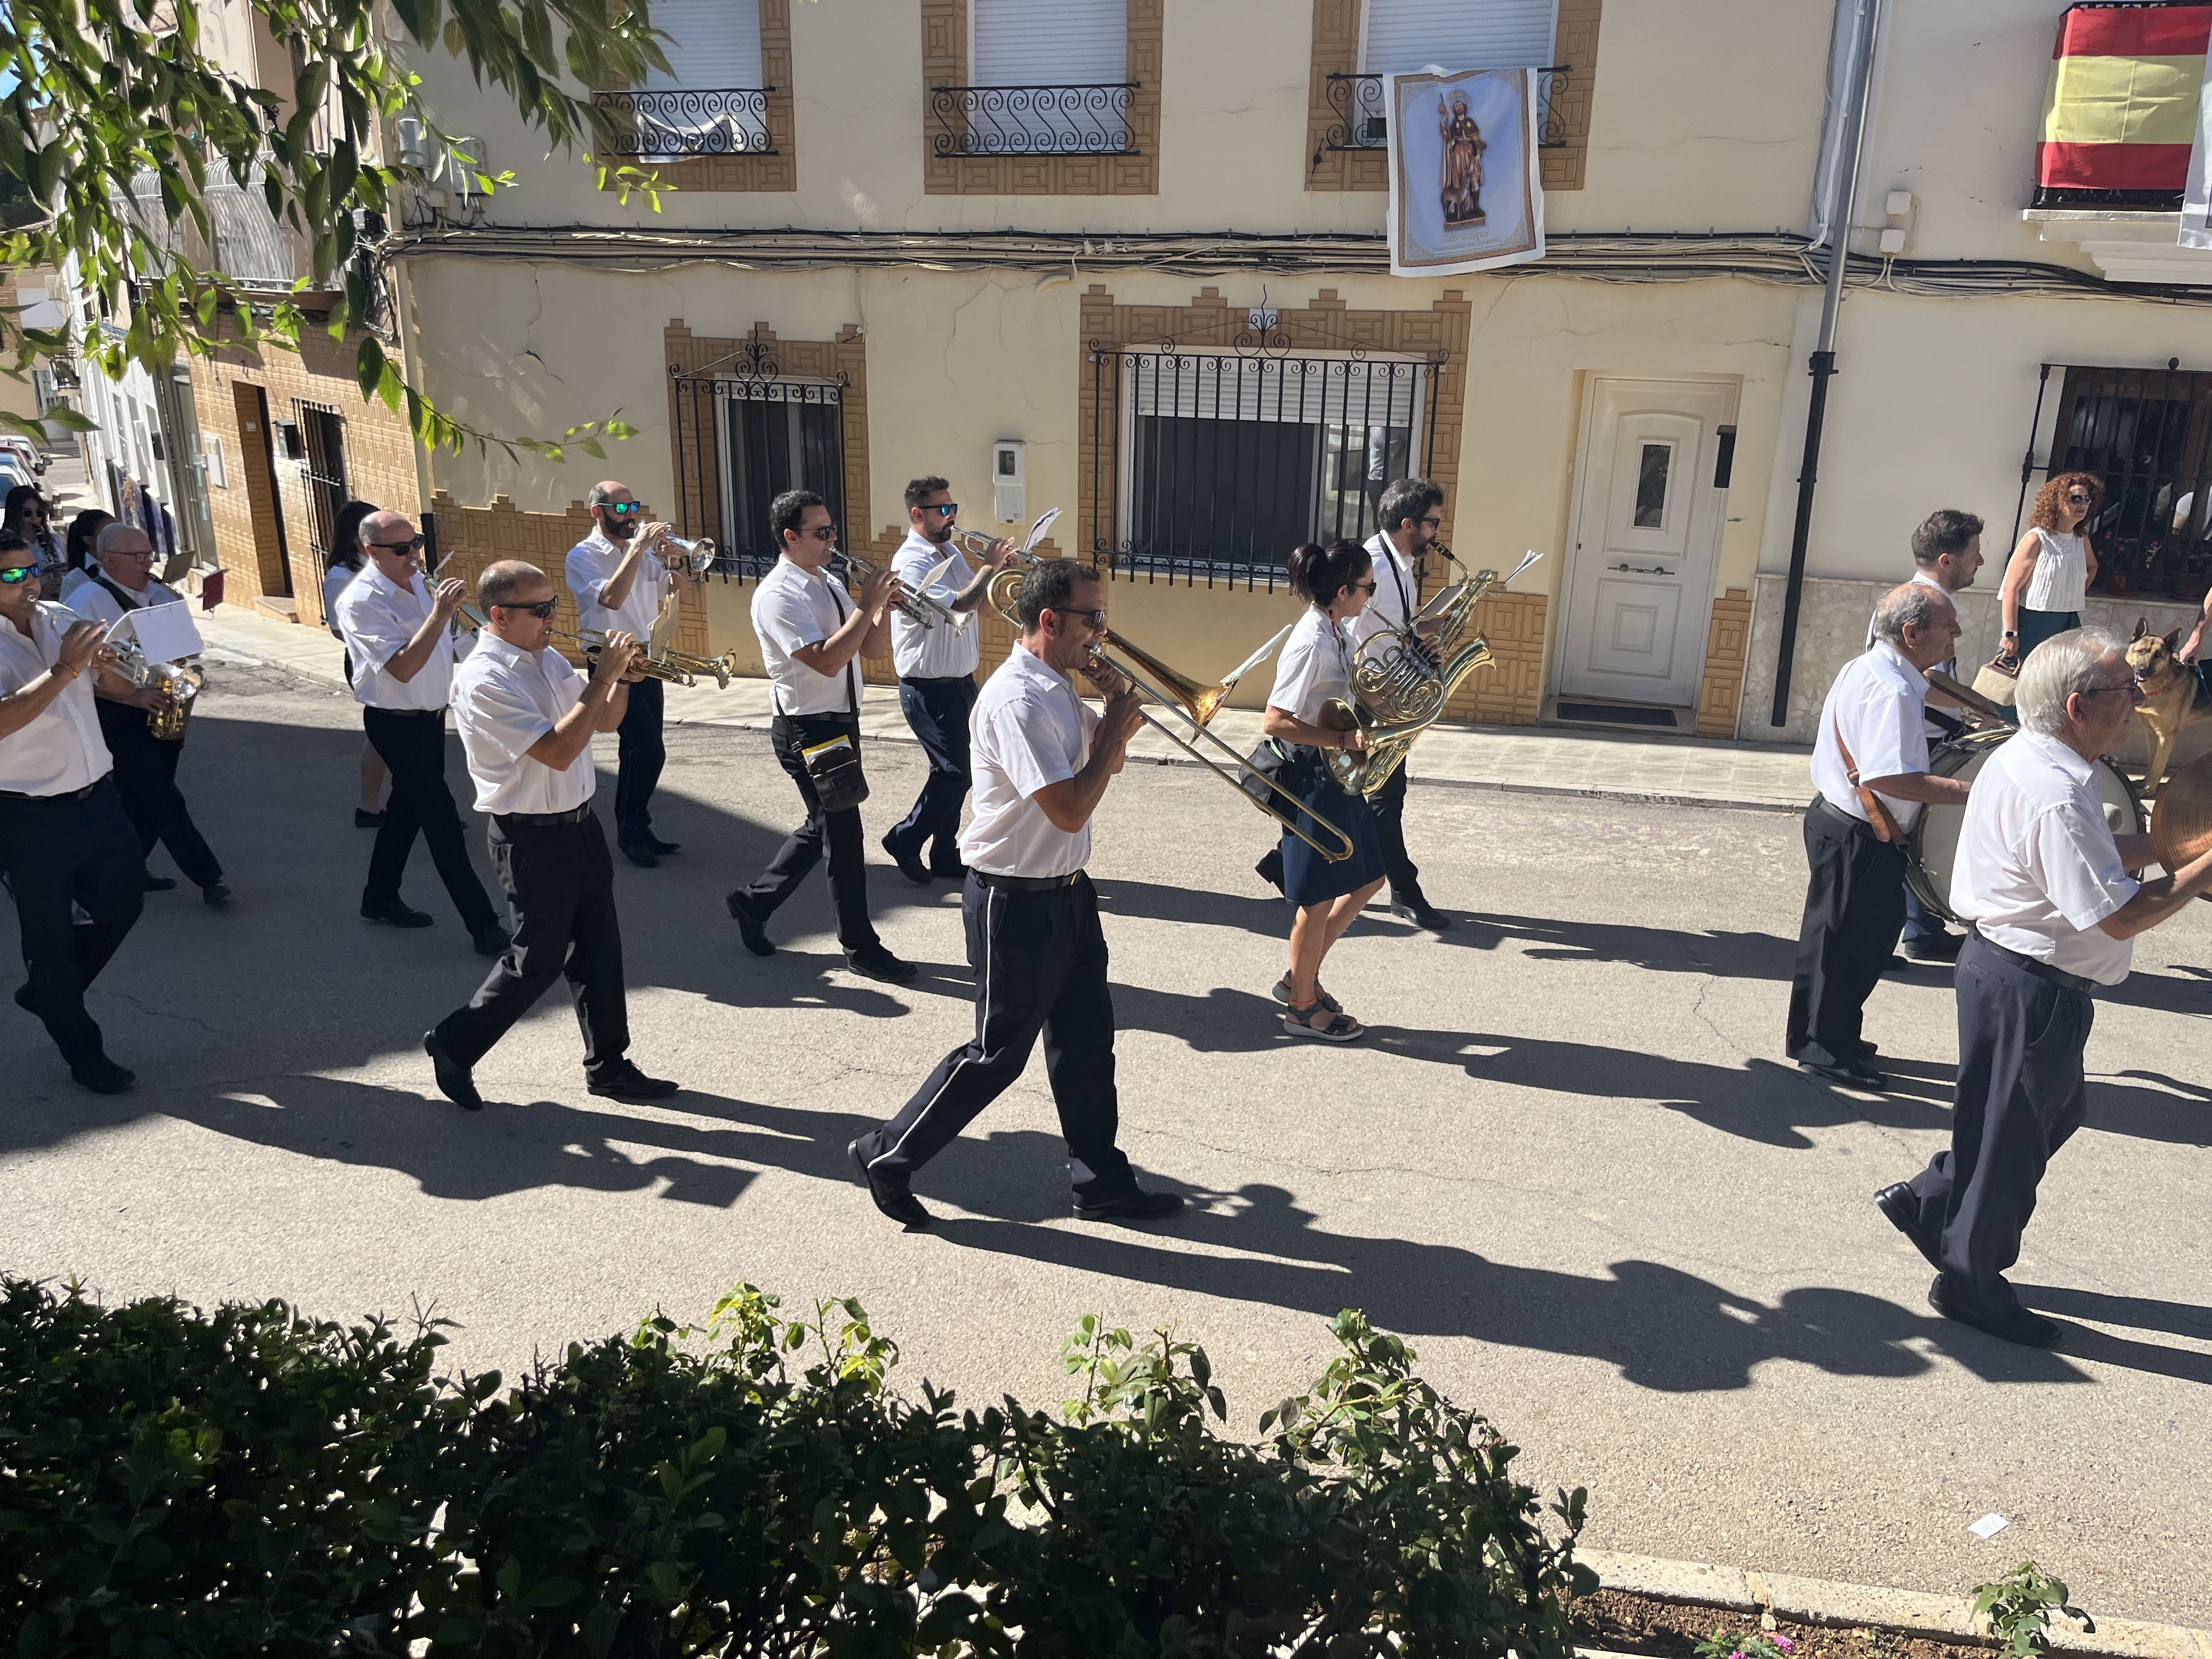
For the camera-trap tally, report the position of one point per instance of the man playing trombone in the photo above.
(1043, 762)
(937, 663)
(619, 578)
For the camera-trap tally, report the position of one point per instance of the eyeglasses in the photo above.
(948, 508)
(2078, 498)
(1433, 523)
(2133, 688)
(623, 509)
(827, 532)
(128, 553)
(542, 610)
(17, 575)
(412, 544)
(1367, 586)
(1096, 618)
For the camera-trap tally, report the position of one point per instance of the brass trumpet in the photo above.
(917, 608)
(1196, 704)
(693, 559)
(670, 667)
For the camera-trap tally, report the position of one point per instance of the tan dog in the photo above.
(2173, 694)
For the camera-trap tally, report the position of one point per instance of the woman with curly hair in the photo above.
(2052, 568)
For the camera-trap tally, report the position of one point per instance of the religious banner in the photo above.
(2196, 196)
(1466, 187)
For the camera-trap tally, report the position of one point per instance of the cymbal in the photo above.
(2181, 821)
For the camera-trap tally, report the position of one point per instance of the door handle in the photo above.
(1644, 570)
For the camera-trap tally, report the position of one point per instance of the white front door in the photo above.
(1646, 535)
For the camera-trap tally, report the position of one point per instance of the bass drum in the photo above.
(1934, 838)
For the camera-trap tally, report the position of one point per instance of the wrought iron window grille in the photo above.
(1038, 120)
(692, 121)
(745, 434)
(1363, 121)
(1210, 463)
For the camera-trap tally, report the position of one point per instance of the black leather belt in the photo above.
(2036, 966)
(66, 794)
(409, 714)
(1027, 884)
(574, 815)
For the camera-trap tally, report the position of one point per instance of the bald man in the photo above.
(399, 629)
(620, 582)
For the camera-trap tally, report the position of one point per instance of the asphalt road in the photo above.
(1569, 1164)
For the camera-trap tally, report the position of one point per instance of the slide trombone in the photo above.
(1195, 704)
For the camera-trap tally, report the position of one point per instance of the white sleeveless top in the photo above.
(2062, 572)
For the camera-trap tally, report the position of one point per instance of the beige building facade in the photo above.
(1124, 259)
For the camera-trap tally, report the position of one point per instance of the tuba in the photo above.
(1402, 680)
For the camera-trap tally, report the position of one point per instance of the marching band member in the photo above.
(400, 637)
(619, 580)
(2045, 884)
(937, 677)
(812, 636)
(346, 560)
(1336, 583)
(145, 765)
(1870, 766)
(64, 838)
(526, 721)
(1043, 762)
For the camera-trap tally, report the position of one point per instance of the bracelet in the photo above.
(60, 666)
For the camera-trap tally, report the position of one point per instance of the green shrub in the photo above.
(246, 1482)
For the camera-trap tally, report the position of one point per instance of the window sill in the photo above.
(2128, 244)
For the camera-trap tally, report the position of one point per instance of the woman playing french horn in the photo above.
(1309, 711)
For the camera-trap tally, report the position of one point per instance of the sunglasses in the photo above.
(948, 508)
(1096, 618)
(17, 575)
(827, 532)
(1363, 587)
(2078, 498)
(623, 509)
(542, 610)
(412, 544)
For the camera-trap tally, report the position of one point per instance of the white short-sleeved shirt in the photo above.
(941, 653)
(335, 581)
(1030, 729)
(2037, 868)
(376, 619)
(1880, 705)
(592, 561)
(792, 607)
(62, 751)
(1316, 665)
(95, 603)
(76, 581)
(1397, 597)
(504, 700)
(2061, 577)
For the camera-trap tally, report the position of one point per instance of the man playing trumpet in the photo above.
(937, 677)
(620, 576)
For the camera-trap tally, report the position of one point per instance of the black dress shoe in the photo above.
(160, 884)
(894, 1198)
(1269, 869)
(751, 927)
(395, 912)
(1135, 1205)
(909, 864)
(1896, 1202)
(877, 963)
(625, 1082)
(365, 819)
(638, 853)
(216, 895)
(102, 1075)
(452, 1078)
(490, 940)
(1936, 947)
(663, 848)
(1422, 913)
(1855, 1074)
(2013, 1324)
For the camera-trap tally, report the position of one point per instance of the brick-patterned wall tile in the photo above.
(1727, 646)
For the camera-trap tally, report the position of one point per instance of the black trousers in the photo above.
(146, 778)
(1854, 909)
(2021, 1096)
(63, 849)
(1039, 962)
(642, 755)
(560, 887)
(937, 711)
(1390, 807)
(414, 749)
(839, 833)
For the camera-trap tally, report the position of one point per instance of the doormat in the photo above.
(1610, 715)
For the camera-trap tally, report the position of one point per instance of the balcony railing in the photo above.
(1364, 122)
(692, 121)
(1053, 120)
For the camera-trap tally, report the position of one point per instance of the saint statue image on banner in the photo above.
(1460, 184)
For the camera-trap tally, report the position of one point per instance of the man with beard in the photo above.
(619, 580)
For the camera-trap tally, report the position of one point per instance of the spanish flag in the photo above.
(2121, 108)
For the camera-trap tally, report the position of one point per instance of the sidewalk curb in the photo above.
(1906, 1613)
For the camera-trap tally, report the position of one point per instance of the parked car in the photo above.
(13, 471)
(24, 450)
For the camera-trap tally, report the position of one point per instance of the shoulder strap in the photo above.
(853, 662)
(1877, 809)
(121, 598)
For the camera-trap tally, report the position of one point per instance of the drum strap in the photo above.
(1877, 810)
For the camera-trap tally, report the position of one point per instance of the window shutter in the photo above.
(712, 44)
(1015, 43)
(1406, 36)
